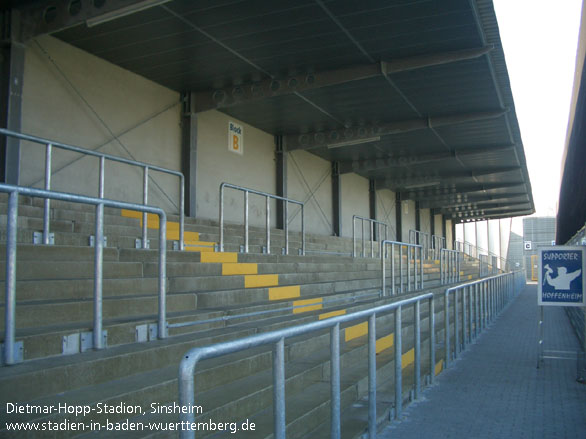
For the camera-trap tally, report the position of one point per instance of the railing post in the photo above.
(286, 226)
(372, 377)
(398, 365)
(98, 277)
(279, 389)
(383, 269)
(303, 229)
(162, 322)
(392, 269)
(10, 282)
(421, 270)
(362, 253)
(456, 325)
(145, 201)
(353, 236)
(464, 317)
(245, 221)
(268, 226)
(182, 213)
(371, 239)
(417, 349)
(47, 202)
(409, 268)
(401, 267)
(447, 326)
(221, 207)
(335, 426)
(432, 339)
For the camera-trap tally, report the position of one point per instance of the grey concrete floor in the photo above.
(494, 389)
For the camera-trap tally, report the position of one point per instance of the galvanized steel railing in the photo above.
(481, 301)
(268, 217)
(11, 244)
(411, 254)
(449, 266)
(437, 244)
(483, 265)
(372, 223)
(49, 144)
(420, 238)
(277, 338)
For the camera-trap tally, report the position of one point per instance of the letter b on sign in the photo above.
(235, 138)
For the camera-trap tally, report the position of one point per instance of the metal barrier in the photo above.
(417, 274)
(493, 264)
(420, 238)
(483, 265)
(437, 244)
(449, 266)
(49, 144)
(277, 338)
(372, 234)
(268, 217)
(11, 244)
(481, 301)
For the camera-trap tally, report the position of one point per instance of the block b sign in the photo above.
(235, 138)
(561, 276)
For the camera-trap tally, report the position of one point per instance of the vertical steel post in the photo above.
(10, 282)
(268, 226)
(335, 426)
(417, 349)
(286, 226)
(421, 269)
(98, 277)
(432, 339)
(398, 365)
(401, 267)
(456, 325)
(221, 207)
(47, 201)
(162, 322)
(409, 268)
(447, 326)
(392, 269)
(279, 389)
(245, 221)
(362, 253)
(464, 317)
(354, 236)
(371, 239)
(383, 266)
(182, 213)
(372, 376)
(303, 229)
(145, 201)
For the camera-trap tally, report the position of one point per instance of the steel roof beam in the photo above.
(445, 201)
(270, 87)
(458, 190)
(49, 16)
(414, 160)
(370, 133)
(488, 208)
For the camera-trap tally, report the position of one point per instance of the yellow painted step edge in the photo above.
(307, 305)
(280, 293)
(219, 257)
(261, 280)
(331, 314)
(238, 268)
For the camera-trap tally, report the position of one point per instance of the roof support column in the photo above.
(336, 200)
(432, 222)
(372, 205)
(281, 165)
(417, 216)
(398, 216)
(11, 84)
(453, 231)
(189, 151)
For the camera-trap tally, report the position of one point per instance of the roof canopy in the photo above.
(411, 94)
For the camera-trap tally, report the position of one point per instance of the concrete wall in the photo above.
(439, 225)
(424, 221)
(385, 210)
(309, 179)
(254, 169)
(408, 219)
(449, 238)
(73, 97)
(354, 200)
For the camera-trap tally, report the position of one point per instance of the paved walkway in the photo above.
(495, 391)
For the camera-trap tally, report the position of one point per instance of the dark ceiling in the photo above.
(413, 94)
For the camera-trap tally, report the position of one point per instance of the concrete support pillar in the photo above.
(336, 200)
(11, 86)
(281, 174)
(189, 151)
(417, 216)
(372, 204)
(431, 222)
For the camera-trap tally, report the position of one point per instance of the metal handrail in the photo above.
(192, 357)
(483, 265)
(417, 274)
(482, 300)
(103, 156)
(268, 217)
(437, 244)
(449, 266)
(372, 236)
(11, 244)
(420, 238)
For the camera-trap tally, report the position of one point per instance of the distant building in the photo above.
(537, 232)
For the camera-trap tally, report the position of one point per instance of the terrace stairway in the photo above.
(211, 297)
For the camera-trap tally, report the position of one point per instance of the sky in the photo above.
(539, 39)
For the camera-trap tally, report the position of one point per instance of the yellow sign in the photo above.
(235, 138)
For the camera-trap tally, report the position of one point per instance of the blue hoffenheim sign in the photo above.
(561, 276)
